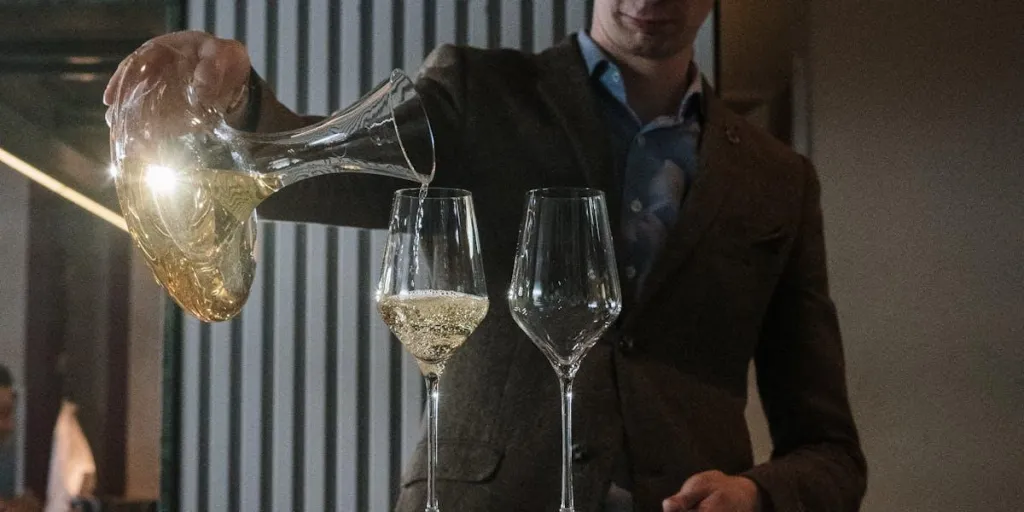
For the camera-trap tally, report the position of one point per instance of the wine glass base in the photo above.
(432, 509)
(566, 509)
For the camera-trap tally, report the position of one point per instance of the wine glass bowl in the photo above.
(565, 287)
(432, 292)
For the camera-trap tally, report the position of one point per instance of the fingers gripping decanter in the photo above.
(189, 184)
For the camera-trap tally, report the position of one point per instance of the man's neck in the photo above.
(654, 87)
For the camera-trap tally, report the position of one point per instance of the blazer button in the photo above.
(732, 135)
(579, 452)
(626, 344)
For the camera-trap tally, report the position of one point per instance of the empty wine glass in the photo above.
(565, 288)
(432, 293)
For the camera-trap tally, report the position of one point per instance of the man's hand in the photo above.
(221, 68)
(714, 491)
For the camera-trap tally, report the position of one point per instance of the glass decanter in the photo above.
(189, 183)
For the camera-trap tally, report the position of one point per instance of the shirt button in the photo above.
(636, 206)
(580, 452)
(626, 344)
(640, 141)
(732, 135)
(616, 77)
(630, 272)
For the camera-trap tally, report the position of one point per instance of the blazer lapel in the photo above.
(564, 84)
(719, 161)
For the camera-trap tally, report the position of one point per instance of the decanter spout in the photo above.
(387, 132)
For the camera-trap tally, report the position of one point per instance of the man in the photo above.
(719, 239)
(8, 452)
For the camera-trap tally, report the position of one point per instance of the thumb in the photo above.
(694, 490)
(222, 70)
(673, 504)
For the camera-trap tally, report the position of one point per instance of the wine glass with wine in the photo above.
(565, 289)
(432, 293)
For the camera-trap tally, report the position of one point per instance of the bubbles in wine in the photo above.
(432, 323)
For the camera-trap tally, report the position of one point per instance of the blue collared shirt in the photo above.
(661, 161)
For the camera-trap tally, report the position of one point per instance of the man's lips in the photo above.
(646, 22)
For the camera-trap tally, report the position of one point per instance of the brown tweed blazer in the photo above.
(742, 277)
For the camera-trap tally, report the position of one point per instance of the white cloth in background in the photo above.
(72, 467)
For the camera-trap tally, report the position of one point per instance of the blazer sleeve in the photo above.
(817, 464)
(364, 200)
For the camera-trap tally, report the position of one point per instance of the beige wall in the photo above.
(145, 380)
(918, 132)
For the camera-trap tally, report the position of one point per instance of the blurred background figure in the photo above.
(9, 502)
(8, 461)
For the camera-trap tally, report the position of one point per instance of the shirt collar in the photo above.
(601, 68)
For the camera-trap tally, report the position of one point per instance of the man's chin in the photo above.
(657, 47)
(656, 51)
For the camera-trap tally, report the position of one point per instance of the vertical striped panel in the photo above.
(317, 298)
(351, 56)
(445, 30)
(218, 457)
(190, 418)
(284, 368)
(316, 368)
(255, 34)
(478, 23)
(380, 345)
(306, 402)
(543, 23)
(224, 16)
(318, 52)
(576, 16)
(511, 19)
(382, 41)
(252, 389)
(346, 373)
(287, 54)
(413, 34)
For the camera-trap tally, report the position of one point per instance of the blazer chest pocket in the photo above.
(760, 249)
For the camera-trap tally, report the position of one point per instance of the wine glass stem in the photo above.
(567, 495)
(432, 398)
